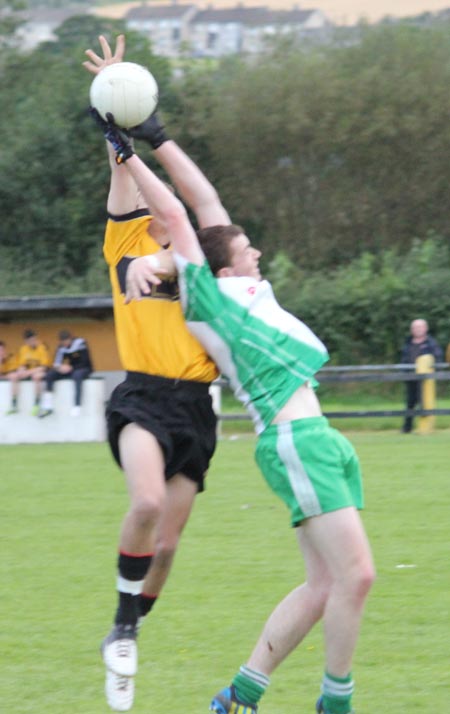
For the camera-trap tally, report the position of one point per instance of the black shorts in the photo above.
(177, 412)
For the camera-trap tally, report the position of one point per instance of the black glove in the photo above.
(150, 130)
(118, 138)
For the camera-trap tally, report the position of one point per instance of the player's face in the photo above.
(244, 258)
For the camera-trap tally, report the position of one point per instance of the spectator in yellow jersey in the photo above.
(7, 361)
(161, 425)
(33, 360)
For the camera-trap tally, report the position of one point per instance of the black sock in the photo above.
(145, 603)
(132, 571)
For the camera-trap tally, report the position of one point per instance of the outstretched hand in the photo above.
(140, 273)
(118, 138)
(95, 64)
(151, 130)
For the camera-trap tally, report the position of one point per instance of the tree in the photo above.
(335, 151)
(10, 20)
(53, 170)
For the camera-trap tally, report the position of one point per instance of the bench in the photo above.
(60, 426)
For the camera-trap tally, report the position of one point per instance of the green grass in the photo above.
(61, 506)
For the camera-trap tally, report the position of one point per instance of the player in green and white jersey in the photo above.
(270, 358)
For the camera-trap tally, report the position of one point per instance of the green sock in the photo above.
(337, 694)
(250, 685)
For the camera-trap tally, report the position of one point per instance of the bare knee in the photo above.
(164, 554)
(166, 546)
(367, 578)
(360, 580)
(146, 511)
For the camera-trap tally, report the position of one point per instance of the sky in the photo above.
(343, 12)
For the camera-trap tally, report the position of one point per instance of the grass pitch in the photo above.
(61, 506)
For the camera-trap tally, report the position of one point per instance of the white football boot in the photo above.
(119, 691)
(119, 650)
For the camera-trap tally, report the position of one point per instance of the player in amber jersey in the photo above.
(33, 361)
(166, 348)
(7, 361)
(161, 425)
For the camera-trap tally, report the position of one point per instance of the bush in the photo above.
(362, 311)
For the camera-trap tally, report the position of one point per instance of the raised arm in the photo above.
(167, 208)
(123, 194)
(191, 184)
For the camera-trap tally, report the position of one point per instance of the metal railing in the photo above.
(368, 373)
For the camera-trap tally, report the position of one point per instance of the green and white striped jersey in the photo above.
(264, 351)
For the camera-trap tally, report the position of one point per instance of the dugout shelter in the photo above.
(88, 316)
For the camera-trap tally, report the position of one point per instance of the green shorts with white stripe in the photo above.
(312, 467)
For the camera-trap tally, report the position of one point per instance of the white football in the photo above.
(126, 90)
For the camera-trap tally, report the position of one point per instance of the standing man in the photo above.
(72, 361)
(161, 424)
(417, 344)
(33, 361)
(270, 358)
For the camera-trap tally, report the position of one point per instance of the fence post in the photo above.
(425, 365)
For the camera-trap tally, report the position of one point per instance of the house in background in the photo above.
(167, 26)
(219, 32)
(39, 23)
(183, 27)
(215, 32)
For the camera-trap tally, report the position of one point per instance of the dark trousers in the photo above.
(413, 398)
(77, 375)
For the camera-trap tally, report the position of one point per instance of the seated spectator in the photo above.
(72, 360)
(7, 362)
(33, 361)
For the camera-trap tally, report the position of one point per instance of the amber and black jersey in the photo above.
(32, 357)
(151, 334)
(8, 364)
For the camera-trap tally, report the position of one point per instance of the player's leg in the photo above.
(339, 575)
(51, 376)
(143, 464)
(191, 423)
(180, 495)
(295, 615)
(340, 539)
(286, 627)
(13, 377)
(37, 376)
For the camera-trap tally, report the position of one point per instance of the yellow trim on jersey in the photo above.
(151, 334)
(31, 357)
